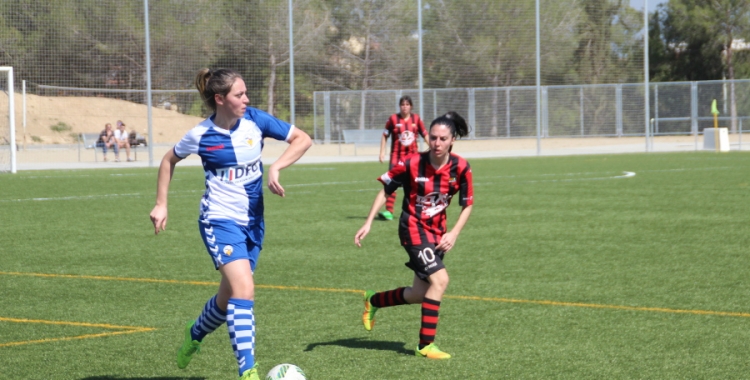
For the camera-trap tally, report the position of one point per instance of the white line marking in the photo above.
(624, 175)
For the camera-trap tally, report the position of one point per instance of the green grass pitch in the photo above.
(570, 267)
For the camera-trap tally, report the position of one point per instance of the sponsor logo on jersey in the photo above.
(468, 198)
(432, 204)
(240, 174)
(421, 179)
(406, 138)
(228, 250)
(215, 147)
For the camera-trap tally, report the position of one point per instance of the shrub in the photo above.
(60, 127)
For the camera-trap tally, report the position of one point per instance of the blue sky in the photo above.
(638, 4)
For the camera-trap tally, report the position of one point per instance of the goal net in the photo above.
(7, 122)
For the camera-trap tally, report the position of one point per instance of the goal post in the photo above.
(7, 71)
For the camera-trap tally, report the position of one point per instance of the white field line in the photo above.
(87, 175)
(625, 174)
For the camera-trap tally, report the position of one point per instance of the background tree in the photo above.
(700, 36)
(374, 46)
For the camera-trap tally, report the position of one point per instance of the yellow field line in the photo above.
(467, 298)
(79, 324)
(127, 330)
(601, 306)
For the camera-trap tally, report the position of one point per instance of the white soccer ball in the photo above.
(286, 372)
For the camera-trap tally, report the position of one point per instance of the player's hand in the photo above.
(382, 157)
(159, 218)
(447, 242)
(360, 235)
(273, 182)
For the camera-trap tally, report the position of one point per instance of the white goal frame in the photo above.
(11, 117)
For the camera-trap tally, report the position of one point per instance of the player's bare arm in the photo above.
(376, 205)
(448, 241)
(159, 212)
(299, 143)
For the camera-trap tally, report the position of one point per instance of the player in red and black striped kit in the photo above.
(403, 129)
(430, 180)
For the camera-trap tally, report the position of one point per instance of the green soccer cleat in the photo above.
(368, 317)
(431, 351)
(385, 215)
(251, 374)
(188, 348)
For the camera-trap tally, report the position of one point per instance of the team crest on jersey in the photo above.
(432, 204)
(252, 139)
(406, 138)
(453, 179)
(228, 250)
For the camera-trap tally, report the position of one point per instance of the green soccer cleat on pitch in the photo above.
(431, 351)
(368, 317)
(385, 215)
(251, 374)
(188, 348)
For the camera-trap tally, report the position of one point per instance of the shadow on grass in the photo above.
(141, 378)
(397, 347)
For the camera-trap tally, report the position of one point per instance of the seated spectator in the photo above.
(107, 140)
(136, 139)
(121, 139)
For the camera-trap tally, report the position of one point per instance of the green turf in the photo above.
(597, 268)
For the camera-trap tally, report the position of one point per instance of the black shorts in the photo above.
(424, 260)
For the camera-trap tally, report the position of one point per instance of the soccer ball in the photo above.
(286, 372)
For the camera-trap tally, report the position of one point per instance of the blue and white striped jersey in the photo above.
(231, 161)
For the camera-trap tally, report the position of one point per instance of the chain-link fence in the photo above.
(609, 110)
(84, 65)
(5, 138)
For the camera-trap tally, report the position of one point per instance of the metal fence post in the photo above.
(694, 111)
(507, 110)
(580, 109)
(315, 116)
(327, 117)
(434, 104)
(618, 110)
(545, 112)
(472, 114)
(655, 130)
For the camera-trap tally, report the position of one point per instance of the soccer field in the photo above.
(579, 267)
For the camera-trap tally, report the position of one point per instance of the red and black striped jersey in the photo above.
(427, 193)
(403, 133)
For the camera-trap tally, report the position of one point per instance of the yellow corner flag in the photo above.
(714, 109)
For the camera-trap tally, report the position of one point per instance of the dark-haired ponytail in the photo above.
(454, 121)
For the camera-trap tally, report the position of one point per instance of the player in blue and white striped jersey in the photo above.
(231, 224)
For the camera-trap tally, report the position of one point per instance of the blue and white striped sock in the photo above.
(210, 319)
(241, 326)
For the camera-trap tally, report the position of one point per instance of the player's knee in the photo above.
(440, 279)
